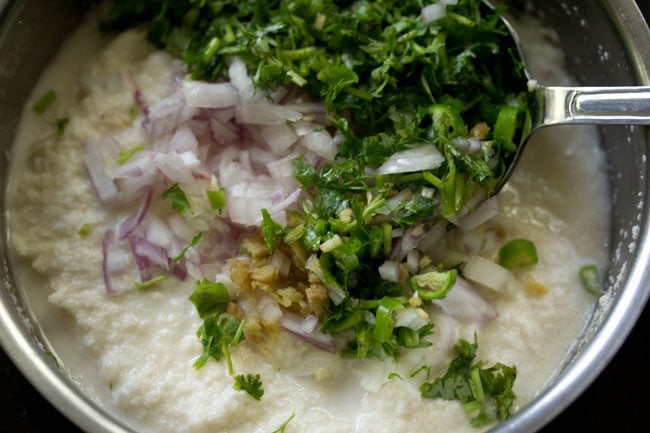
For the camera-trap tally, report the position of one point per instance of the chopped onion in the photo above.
(321, 143)
(433, 12)
(293, 323)
(151, 252)
(173, 166)
(483, 213)
(209, 95)
(269, 311)
(133, 221)
(429, 240)
(183, 140)
(242, 82)
(421, 158)
(413, 261)
(285, 203)
(263, 113)
(486, 273)
(336, 293)
(282, 168)
(390, 271)
(411, 318)
(107, 242)
(463, 303)
(281, 262)
(221, 133)
(279, 137)
(309, 324)
(104, 186)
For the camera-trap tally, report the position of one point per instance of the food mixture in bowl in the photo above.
(290, 229)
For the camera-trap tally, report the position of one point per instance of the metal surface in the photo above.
(31, 30)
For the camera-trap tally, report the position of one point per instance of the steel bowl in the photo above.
(31, 31)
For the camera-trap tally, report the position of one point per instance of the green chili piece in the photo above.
(516, 253)
(44, 102)
(433, 285)
(506, 126)
(384, 318)
(589, 278)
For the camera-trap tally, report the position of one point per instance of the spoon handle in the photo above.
(593, 105)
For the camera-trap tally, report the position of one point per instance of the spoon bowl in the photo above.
(571, 105)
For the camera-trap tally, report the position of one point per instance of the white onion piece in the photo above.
(153, 253)
(293, 323)
(246, 201)
(183, 140)
(139, 165)
(158, 233)
(107, 243)
(269, 311)
(209, 95)
(483, 213)
(425, 157)
(281, 262)
(487, 273)
(429, 240)
(221, 133)
(143, 264)
(279, 137)
(242, 82)
(134, 221)
(463, 303)
(307, 107)
(263, 113)
(390, 271)
(336, 293)
(411, 318)
(413, 261)
(282, 168)
(321, 143)
(472, 242)
(173, 166)
(94, 161)
(407, 243)
(309, 324)
(433, 12)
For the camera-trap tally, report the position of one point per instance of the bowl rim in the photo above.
(54, 385)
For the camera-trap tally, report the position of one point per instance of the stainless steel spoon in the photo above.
(553, 105)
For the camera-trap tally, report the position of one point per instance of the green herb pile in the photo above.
(389, 83)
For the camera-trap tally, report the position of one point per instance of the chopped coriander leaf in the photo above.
(195, 240)
(217, 199)
(394, 375)
(251, 383)
(60, 124)
(476, 387)
(84, 231)
(217, 334)
(209, 297)
(44, 102)
(272, 231)
(589, 279)
(125, 155)
(517, 253)
(424, 368)
(284, 425)
(149, 283)
(178, 198)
